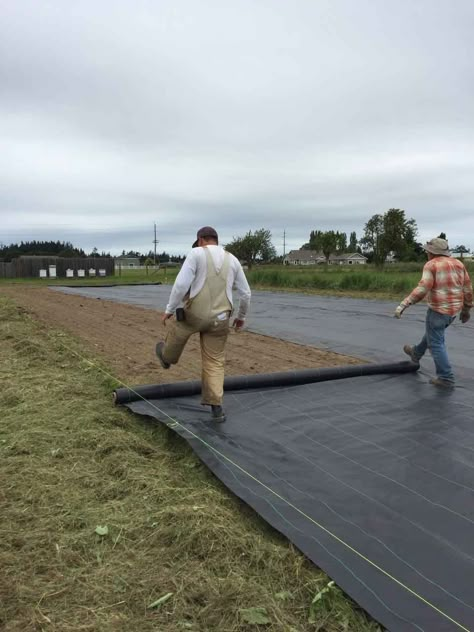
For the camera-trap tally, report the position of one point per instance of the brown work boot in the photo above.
(217, 413)
(408, 349)
(159, 355)
(438, 381)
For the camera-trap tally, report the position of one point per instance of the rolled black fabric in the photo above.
(262, 380)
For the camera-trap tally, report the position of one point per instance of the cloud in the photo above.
(116, 115)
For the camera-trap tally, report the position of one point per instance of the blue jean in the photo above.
(433, 340)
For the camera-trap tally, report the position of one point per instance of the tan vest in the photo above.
(212, 299)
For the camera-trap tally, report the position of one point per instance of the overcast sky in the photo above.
(243, 114)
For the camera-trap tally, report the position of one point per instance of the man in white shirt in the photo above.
(204, 286)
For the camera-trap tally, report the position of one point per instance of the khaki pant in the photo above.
(213, 335)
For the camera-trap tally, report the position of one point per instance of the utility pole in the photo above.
(284, 244)
(155, 241)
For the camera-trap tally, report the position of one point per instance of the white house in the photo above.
(313, 257)
(353, 259)
(304, 258)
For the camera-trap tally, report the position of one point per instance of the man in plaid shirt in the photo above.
(446, 284)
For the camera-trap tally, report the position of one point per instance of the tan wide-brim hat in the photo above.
(437, 246)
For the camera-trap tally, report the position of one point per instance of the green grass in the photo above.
(71, 462)
(393, 282)
(349, 282)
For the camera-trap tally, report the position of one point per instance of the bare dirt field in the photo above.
(124, 337)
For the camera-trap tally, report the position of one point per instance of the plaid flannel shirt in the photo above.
(446, 284)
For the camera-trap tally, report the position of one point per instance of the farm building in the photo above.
(127, 262)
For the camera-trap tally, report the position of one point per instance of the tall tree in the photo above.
(390, 232)
(341, 242)
(399, 233)
(315, 240)
(321, 241)
(329, 243)
(253, 247)
(462, 250)
(353, 242)
(372, 241)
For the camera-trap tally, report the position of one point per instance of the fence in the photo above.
(35, 267)
(6, 270)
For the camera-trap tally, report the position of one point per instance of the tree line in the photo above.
(149, 257)
(386, 233)
(67, 249)
(46, 249)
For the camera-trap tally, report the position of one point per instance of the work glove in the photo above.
(465, 315)
(399, 311)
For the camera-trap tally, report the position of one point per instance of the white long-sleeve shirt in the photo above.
(192, 276)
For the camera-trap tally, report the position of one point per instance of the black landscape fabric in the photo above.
(370, 476)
